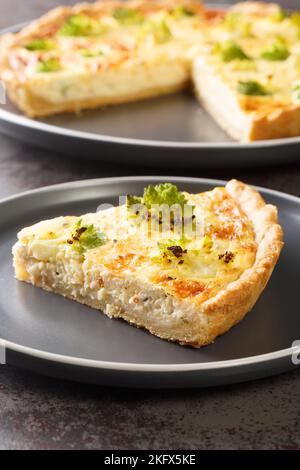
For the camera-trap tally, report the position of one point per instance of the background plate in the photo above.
(171, 130)
(56, 336)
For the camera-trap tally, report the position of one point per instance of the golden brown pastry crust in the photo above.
(229, 306)
(275, 123)
(256, 8)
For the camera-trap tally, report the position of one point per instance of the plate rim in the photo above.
(29, 123)
(140, 367)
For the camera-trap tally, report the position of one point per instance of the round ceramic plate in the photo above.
(50, 334)
(171, 130)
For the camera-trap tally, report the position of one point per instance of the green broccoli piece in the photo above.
(128, 16)
(49, 65)
(231, 51)
(40, 44)
(251, 88)
(86, 237)
(81, 25)
(277, 52)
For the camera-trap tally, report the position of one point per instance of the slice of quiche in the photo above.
(187, 267)
(107, 52)
(248, 78)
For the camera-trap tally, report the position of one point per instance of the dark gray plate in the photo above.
(52, 335)
(172, 130)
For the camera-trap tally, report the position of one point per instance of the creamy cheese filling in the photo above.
(270, 44)
(194, 265)
(130, 79)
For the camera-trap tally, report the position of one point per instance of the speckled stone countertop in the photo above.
(43, 413)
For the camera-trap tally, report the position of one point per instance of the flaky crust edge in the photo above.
(230, 305)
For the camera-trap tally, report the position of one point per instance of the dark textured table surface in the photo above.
(38, 412)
